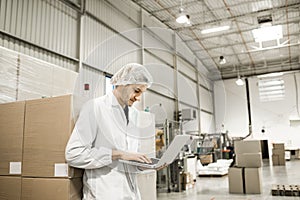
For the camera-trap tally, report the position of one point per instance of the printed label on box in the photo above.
(61, 170)
(15, 167)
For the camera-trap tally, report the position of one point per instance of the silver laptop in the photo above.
(176, 145)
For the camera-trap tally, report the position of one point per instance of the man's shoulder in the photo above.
(96, 101)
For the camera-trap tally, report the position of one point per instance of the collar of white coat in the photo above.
(113, 100)
(114, 103)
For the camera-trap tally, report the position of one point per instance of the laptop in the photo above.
(168, 157)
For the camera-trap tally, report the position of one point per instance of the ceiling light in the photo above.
(216, 29)
(267, 33)
(182, 17)
(239, 81)
(222, 60)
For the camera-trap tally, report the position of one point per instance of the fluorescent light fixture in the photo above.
(216, 29)
(267, 33)
(239, 82)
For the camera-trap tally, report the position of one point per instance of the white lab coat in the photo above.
(101, 127)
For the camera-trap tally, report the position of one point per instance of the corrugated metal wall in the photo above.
(40, 28)
(99, 40)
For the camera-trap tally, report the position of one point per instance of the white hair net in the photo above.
(132, 73)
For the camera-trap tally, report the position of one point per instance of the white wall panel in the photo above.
(110, 16)
(183, 50)
(187, 90)
(205, 82)
(167, 106)
(117, 63)
(207, 123)
(50, 24)
(150, 21)
(151, 42)
(103, 47)
(164, 35)
(95, 38)
(163, 79)
(186, 68)
(206, 100)
(231, 107)
(166, 56)
(37, 53)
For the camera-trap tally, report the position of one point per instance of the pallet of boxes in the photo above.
(33, 137)
(278, 154)
(245, 176)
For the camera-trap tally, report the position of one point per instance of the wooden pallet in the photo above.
(286, 190)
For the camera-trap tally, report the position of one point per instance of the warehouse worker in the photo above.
(104, 133)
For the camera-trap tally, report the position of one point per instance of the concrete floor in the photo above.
(216, 188)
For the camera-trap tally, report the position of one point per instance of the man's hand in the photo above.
(116, 154)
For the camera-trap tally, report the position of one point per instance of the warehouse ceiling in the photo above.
(244, 55)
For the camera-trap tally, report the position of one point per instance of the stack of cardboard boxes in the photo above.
(33, 138)
(245, 177)
(278, 156)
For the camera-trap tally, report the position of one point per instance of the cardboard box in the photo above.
(244, 180)
(278, 146)
(10, 188)
(275, 159)
(247, 146)
(297, 154)
(206, 159)
(51, 188)
(235, 180)
(253, 184)
(11, 137)
(278, 159)
(278, 151)
(249, 160)
(48, 126)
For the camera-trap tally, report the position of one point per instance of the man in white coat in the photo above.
(104, 133)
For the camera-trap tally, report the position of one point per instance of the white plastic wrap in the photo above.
(23, 77)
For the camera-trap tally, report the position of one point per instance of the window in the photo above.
(108, 86)
(271, 89)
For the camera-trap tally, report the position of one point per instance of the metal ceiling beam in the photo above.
(252, 14)
(295, 20)
(288, 30)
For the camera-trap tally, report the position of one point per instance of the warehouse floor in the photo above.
(216, 188)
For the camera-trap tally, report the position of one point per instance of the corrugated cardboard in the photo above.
(249, 160)
(10, 188)
(206, 159)
(278, 151)
(48, 126)
(247, 146)
(278, 146)
(253, 181)
(11, 137)
(235, 180)
(278, 159)
(275, 159)
(51, 188)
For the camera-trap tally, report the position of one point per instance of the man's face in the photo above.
(131, 93)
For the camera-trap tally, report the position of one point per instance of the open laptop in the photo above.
(170, 154)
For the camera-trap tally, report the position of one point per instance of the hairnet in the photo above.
(132, 73)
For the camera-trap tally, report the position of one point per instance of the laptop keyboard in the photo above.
(153, 160)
